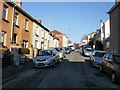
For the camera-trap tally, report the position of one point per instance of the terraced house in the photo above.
(16, 26)
(114, 14)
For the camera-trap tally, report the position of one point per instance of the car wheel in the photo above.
(101, 69)
(114, 78)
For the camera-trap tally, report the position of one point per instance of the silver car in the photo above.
(96, 58)
(46, 58)
(61, 52)
(87, 51)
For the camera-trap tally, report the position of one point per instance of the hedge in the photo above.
(24, 51)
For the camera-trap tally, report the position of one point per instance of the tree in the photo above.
(98, 44)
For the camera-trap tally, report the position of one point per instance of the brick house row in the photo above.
(18, 29)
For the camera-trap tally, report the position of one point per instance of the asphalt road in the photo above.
(74, 71)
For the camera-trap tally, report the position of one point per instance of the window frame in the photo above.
(16, 18)
(26, 24)
(3, 38)
(25, 44)
(5, 16)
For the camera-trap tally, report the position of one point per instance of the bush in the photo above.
(24, 51)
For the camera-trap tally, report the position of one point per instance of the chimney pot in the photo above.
(40, 21)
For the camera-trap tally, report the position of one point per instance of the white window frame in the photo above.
(26, 24)
(25, 44)
(16, 18)
(107, 44)
(3, 38)
(5, 15)
(36, 43)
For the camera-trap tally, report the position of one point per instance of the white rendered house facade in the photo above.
(36, 35)
(65, 40)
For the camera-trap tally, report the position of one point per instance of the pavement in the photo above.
(13, 71)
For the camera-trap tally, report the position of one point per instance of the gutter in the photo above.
(114, 7)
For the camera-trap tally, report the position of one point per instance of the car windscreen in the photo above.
(45, 53)
(99, 54)
(117, 59)
(66, 48)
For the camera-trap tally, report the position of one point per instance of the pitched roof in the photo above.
(115, 6)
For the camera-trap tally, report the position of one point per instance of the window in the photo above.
(36, 43)
(3, 38)
(107, 44)
(15, 37)
(26, 24)
(25, 44)
(5, 11)
(16, 18)
(37, 31)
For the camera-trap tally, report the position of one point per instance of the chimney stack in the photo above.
(40, 21)
(17, 2)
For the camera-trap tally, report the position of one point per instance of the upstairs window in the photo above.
(16, 18)
(26, 24)
(15, 38)
(36, 43)
(5, 12)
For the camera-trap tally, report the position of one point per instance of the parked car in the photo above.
(96, 57)
(61, 52)
(68, 50)
(111, 65)
(88, 51)
(85, 46)
(73, 48)
(46, 58)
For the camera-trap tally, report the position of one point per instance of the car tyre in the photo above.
(114, 78)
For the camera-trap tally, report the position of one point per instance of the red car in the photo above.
(111, 65)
